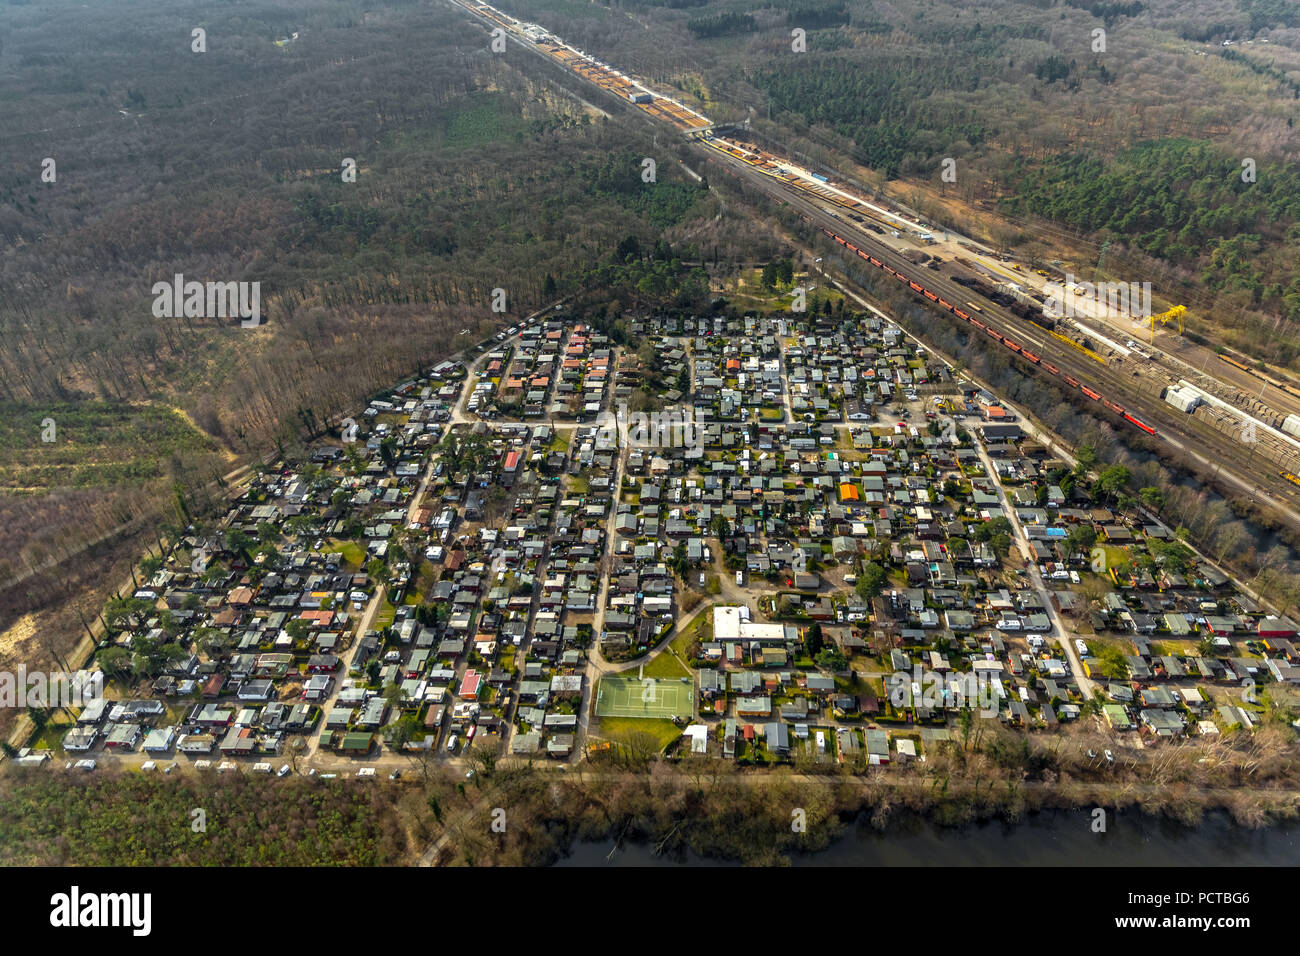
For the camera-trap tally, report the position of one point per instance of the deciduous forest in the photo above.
(131, 158)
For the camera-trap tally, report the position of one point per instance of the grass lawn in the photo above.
(701, 628)
(665, 665)
(426, 575)
(1116, 557)
(852, 685)
(51, 735)
(622, 729)
(350, 550)
(385, 616)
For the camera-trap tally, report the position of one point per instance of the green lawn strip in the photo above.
(620, 730)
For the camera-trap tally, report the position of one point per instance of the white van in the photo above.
(1081, 647)
(451, 743)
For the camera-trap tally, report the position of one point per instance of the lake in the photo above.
(1050, 838)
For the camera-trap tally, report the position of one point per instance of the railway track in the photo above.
(1260, 465)
(1129, 391)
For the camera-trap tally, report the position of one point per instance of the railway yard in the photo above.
(1233, 435)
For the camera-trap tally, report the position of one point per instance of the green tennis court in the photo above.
(633, 697)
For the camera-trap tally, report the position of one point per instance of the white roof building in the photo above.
(699, 734)
(733, 624)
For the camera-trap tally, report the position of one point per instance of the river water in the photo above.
(1053, 838)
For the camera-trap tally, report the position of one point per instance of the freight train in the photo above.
(1284, 386)
(1015, 347)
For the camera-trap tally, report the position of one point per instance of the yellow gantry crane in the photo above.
(1174, 314)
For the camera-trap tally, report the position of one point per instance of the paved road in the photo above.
(1063, 636)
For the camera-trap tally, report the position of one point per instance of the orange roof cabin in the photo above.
(318, 618)
(849, 492)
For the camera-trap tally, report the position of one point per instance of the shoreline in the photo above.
(755, 821)
(1049, 836)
